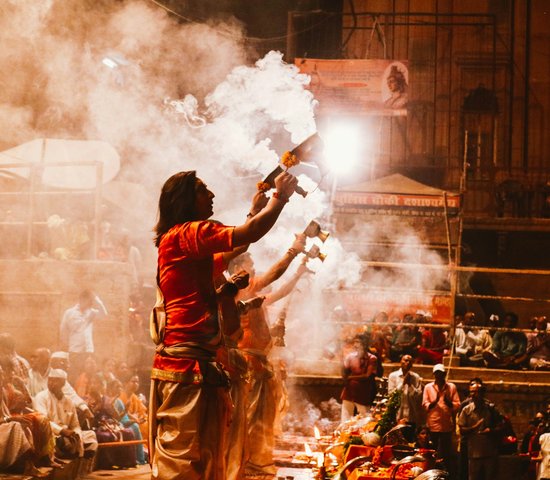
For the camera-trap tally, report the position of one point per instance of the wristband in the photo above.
(279, 196)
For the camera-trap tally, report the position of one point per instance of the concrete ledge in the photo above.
(323, 372)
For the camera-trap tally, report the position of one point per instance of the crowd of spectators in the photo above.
(53, 411)
(468, 435)
(47, 420)
(476, 343)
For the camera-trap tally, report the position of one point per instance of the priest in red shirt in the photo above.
(189, 393)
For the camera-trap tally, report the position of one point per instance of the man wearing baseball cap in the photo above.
(440, 400)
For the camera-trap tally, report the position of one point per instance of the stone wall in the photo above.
(518, 395)
(35, 293)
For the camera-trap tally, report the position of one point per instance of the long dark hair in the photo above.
(176, 202)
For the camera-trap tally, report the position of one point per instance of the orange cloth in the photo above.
(82, 385)
(186, 267)
(256, 334)
(135, 407)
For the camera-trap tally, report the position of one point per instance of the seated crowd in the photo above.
(51, 413)
(46, 420)
(499, 345)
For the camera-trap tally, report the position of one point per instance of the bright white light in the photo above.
(114, 60)
(342, 146)
(109, 62)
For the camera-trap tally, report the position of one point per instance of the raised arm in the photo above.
(288, 286)
(259, 202)
(260, 224)
(277, 269)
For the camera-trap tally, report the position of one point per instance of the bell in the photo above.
(314, 230)
(315, 252)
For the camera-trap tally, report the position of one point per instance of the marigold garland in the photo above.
(263, 186)
(289, 159)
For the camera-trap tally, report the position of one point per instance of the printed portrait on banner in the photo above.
(358, 87)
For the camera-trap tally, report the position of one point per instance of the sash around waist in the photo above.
(189, 350)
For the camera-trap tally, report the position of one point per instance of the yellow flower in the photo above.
(263, 186)
(289, 159)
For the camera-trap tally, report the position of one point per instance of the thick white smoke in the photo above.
(177, 97)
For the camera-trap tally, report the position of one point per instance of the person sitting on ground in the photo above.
(538, 345)
(122, 370)
(71, 440)
(15, 447)
(16, 406)
(471, 341)
(136, 408)
(509, 347)
(406, 340)
(381, 335)
(82, 384)
(60, 361)
(21, 366)
(109, 429)
(38, 374)
(423, 440)
(108, 371)
(433, 344)
(114, 390)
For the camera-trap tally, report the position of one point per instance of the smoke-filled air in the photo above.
(171, 96)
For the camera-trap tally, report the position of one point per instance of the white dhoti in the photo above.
(13, 443)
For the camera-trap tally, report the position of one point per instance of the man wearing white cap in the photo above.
(440, 400)
(60, 360)
(71, 440)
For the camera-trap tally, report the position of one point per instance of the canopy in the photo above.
(395, 195)
(75, 164)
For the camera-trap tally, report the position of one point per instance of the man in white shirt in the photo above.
(38, 374)
(409, 384)
(60, 360)
(71, 440)
(471, 341)
(76, 329)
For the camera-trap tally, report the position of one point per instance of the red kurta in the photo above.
(186, 264)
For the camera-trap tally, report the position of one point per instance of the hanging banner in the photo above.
(395, 204)
(368, 87)
(396, 195)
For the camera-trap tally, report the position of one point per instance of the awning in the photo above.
(396, 195)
